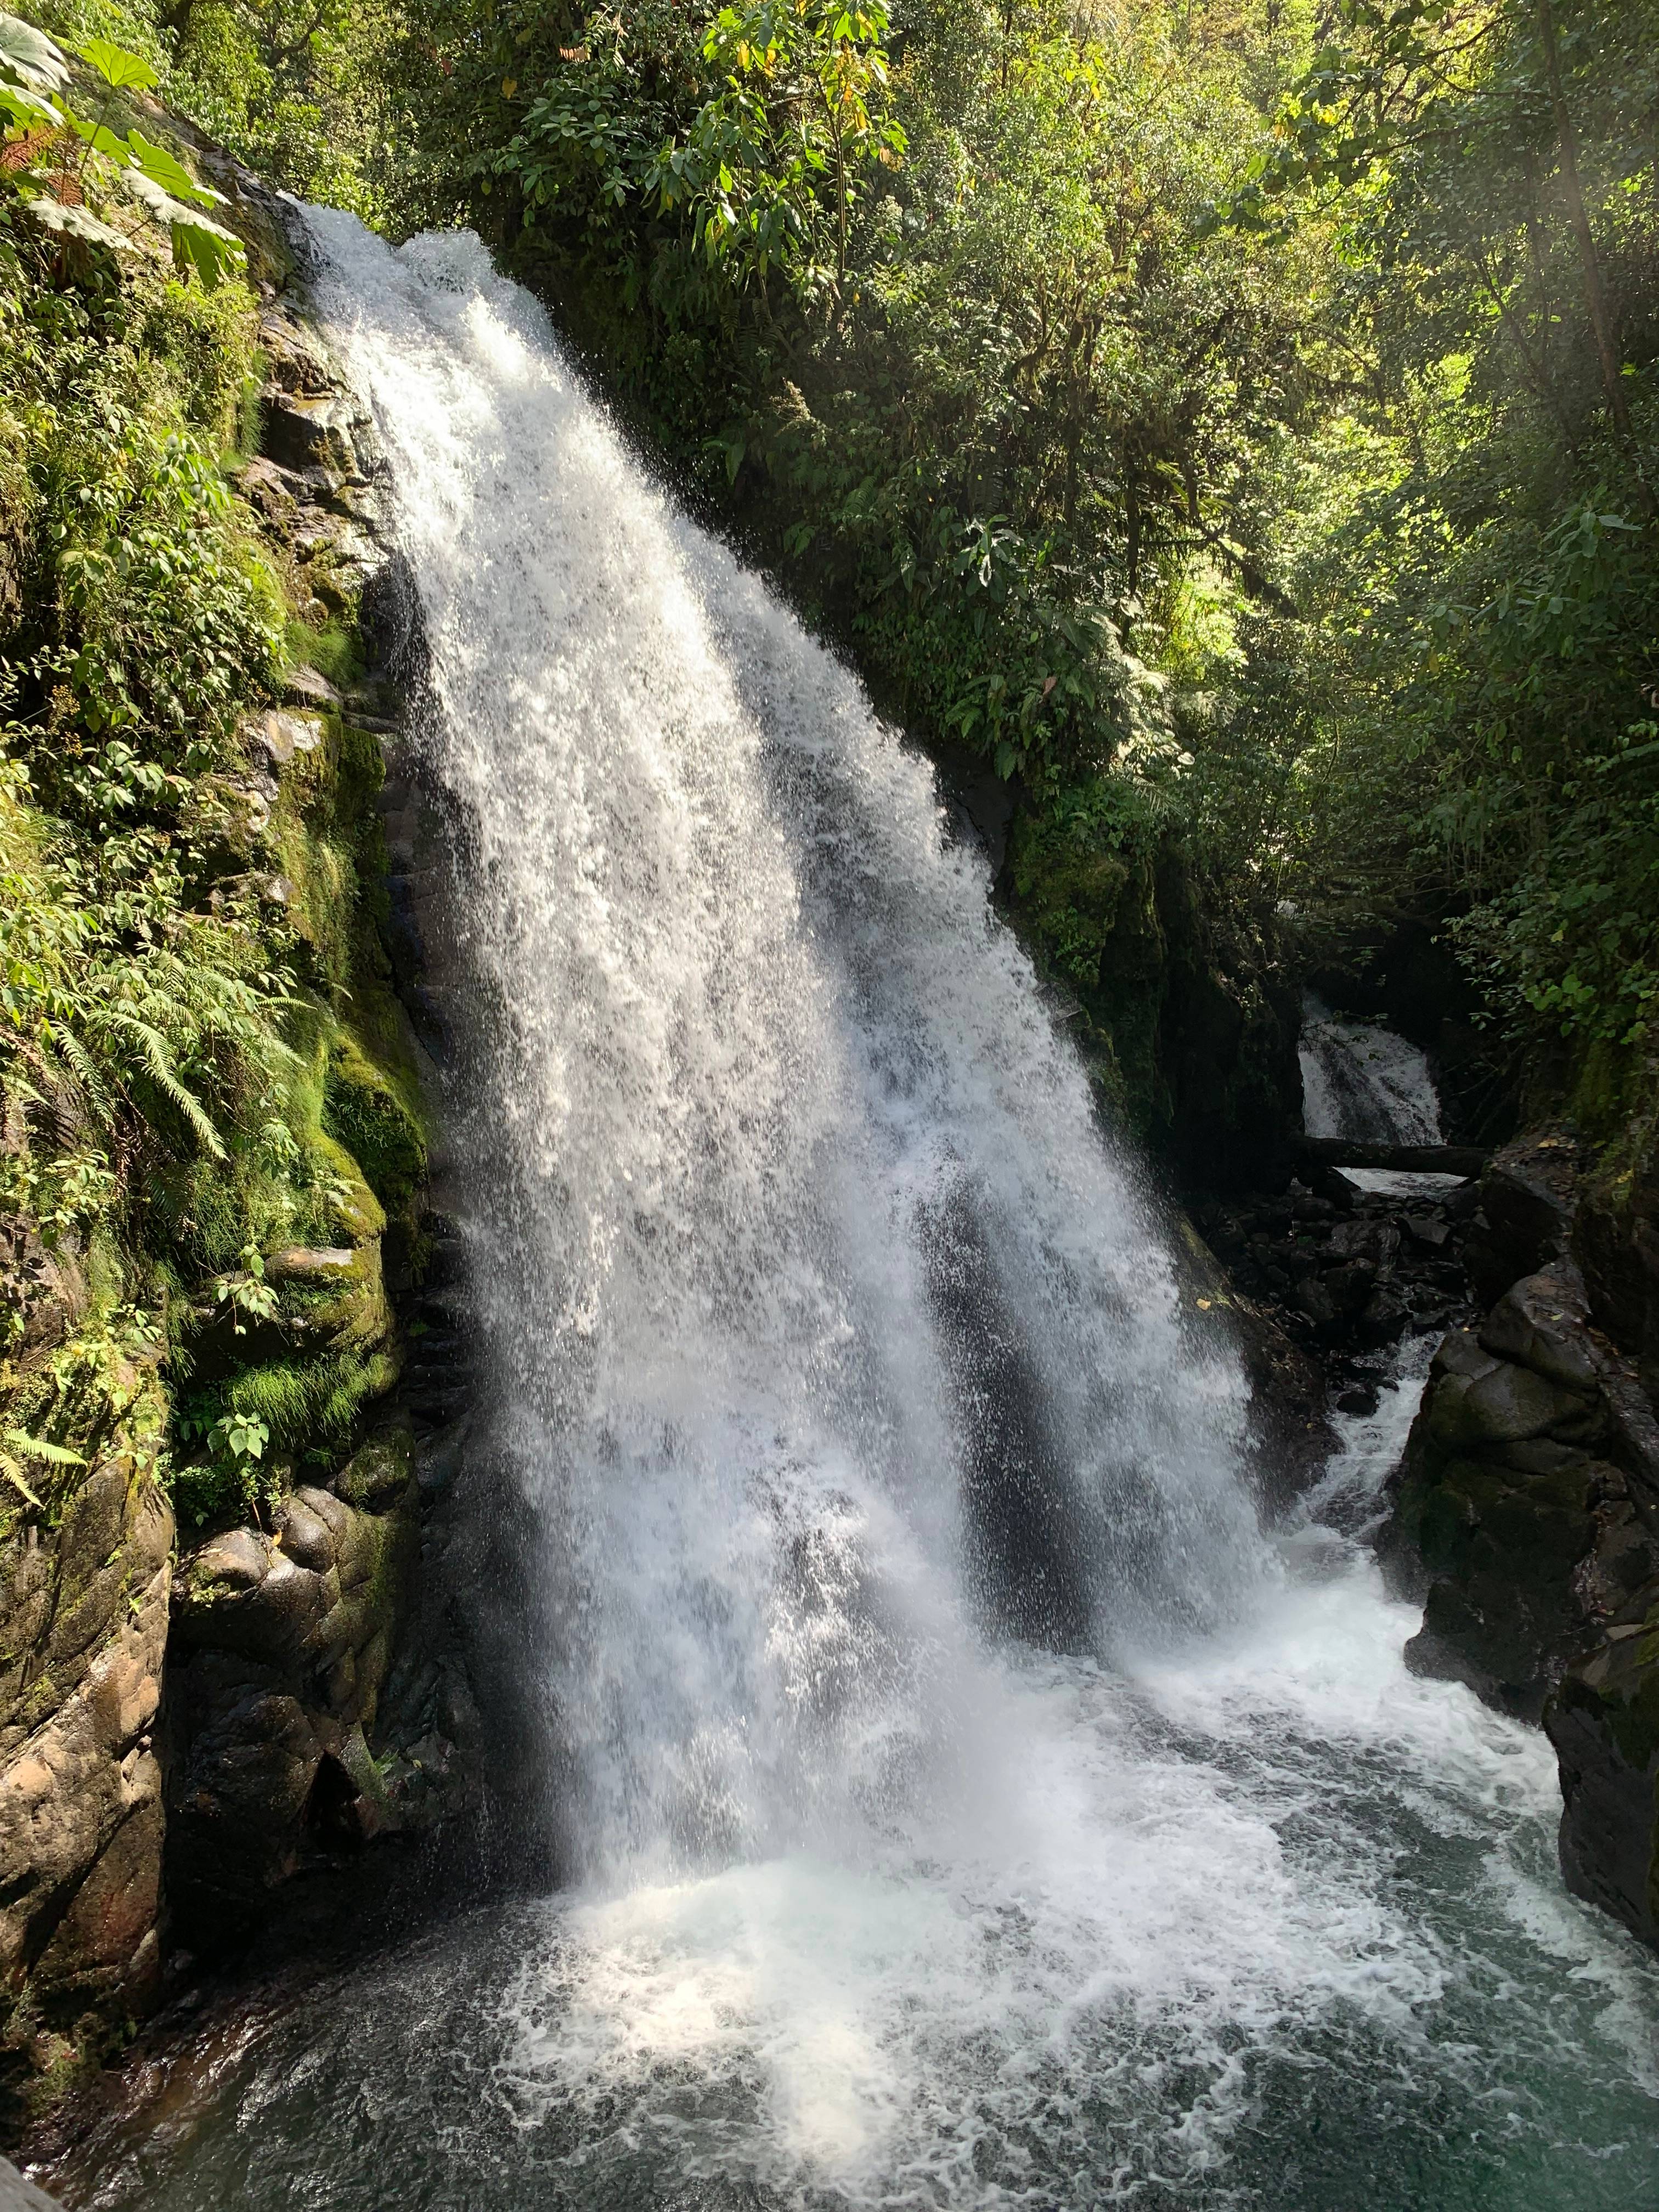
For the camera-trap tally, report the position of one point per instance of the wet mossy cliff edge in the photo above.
(233, 1380)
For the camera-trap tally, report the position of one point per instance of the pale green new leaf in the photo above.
(124, 71)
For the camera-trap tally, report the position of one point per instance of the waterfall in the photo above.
(967, 1805)
(1361, 1080)
(828, 1329)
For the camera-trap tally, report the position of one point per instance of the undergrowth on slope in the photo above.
(178, 952)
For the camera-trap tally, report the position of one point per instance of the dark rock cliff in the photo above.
(1187, 1008)
(1527, 1512)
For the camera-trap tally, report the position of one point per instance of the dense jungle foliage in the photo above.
(1231, 425)
(1235, 423)
(187, 969)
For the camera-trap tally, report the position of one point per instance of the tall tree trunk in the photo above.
(1540, 280)
(1595, 295)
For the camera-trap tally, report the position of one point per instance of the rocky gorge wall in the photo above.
(212, 1730)
(1526, 1513)
(215, 1733)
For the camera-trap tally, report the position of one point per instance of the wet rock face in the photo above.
(1516, 1514)
(42, 1289)
(1529, 1199)
(1319, 1284)
(83, 1622)
(1527, 1511)
(1604, 1723)
(320, 1703)
(1289, 1397)
(1347, 1273)
(1528, 1494)
(1527, 1514)
(17, 2195)
(315, 483)
(1189, 1020)
(281, 1645)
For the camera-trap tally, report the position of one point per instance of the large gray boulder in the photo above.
(1520, 1517)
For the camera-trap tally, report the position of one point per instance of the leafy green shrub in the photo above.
(164, 1027)
(49, 179)
(141, 1003)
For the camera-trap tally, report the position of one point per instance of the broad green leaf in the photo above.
(162, 168)
(77, 223)
(208, 248)
(100, 138)
(28, 57)
(125, 71)
(160, 206)
(27, 108)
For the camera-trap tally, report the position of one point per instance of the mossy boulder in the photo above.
(375, 1113)
(379, 1473)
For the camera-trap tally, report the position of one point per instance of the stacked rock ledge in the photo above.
(1526, 1514)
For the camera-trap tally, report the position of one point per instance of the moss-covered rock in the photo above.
(375, 1111)
(379, 1473)
(194, 1305)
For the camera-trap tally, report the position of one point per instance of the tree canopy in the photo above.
(1233, 421)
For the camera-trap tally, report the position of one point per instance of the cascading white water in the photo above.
(972, 1807)
(786, 1200)
(1362, 1081)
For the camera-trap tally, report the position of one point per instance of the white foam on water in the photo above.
(1164, 1877)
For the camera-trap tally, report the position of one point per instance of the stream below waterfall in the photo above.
(967, 1805)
